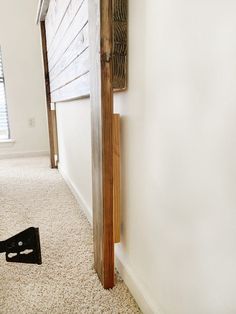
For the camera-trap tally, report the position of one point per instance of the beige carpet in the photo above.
(31, 194)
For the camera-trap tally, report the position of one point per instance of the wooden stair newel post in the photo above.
(101, 95)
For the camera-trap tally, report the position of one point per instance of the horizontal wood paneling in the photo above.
(73, 90)
(68, 49)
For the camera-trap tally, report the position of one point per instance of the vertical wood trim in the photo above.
(116, 177)
(51, 127)
(100, 15)
(55, 135)
(107, 123)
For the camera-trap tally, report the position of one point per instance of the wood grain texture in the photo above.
(120, 44)
(67, 39)
(100, 31)
(116, 177)
(51, 115)
(68, 49)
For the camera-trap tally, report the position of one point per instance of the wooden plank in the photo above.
(116, 177)
(51, 123)
(71, 18)
(79, 67)
(120, 44)
(65, 43)
(55, 18)
(72, 90)
(69, 54)
(73, 26)
(100, 28)
(50, 22)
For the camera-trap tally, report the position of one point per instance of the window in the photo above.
(4, 124)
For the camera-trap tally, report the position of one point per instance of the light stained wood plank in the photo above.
(116, 177)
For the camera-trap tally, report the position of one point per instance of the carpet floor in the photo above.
(31, 194)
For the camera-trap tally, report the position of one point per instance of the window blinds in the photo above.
(4, 125)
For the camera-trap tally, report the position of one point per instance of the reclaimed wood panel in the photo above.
(67, 55)
(76, 13)
(120, 44)
(68, 49)
(68, 45)
(55, 16)
(71, 90)
(101, 96)
(76, 69)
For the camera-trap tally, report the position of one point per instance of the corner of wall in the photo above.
(135, 287)
(78, 196)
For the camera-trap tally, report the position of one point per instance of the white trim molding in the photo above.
(8, 141)
(42, 10)
(78, 196)
(23, 154)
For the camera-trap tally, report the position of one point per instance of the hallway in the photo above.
(31, 194)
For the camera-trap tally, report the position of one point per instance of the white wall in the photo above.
(74, 134)
(178, 156)
(21, 49)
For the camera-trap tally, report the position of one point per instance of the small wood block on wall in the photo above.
(116, 177)
(120, 44)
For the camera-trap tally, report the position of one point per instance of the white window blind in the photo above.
(4, 124)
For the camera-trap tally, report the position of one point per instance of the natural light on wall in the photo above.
(4, 125)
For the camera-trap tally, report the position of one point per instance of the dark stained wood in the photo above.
(100, 15)
(120, 44)
(51, 114)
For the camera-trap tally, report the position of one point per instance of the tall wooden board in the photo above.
(100, 34)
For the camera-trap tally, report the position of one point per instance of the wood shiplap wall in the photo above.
(68, 49)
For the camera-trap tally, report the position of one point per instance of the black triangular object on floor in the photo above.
(23, 247)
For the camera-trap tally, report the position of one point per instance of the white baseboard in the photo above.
(135, 287)
(83, 204)
(23, 154)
